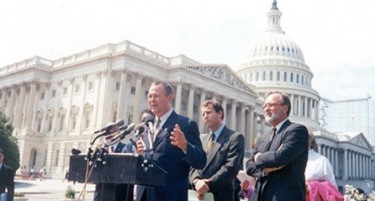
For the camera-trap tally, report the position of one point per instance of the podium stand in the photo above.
(118, 168)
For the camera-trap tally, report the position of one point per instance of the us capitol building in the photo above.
(56, 105)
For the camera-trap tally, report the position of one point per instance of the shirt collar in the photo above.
(164, 118)
(218, 131)
(278, 126)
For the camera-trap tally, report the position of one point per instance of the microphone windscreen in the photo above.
(140, 128)
(149, 119)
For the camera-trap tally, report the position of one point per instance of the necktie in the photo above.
(157, 127)
(271, 138)
(210, 143)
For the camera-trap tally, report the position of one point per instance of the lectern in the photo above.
(118, 168)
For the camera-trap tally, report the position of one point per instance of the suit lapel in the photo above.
(166, 129)
(278, 139)
(217, 145)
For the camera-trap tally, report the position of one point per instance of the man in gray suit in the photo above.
(279, 157)
(225, 152)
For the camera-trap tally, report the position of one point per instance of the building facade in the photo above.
(57, 105)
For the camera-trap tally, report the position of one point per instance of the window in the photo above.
(118, 86)
(132, 91)
(257, 76)
(76, 88)
(291, 77)
(278, 76)
(53, 93)
(61, 125)
(65, 91)
(42, 96)
(251, 77)
(90, 86)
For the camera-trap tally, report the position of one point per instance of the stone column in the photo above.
(137, 99)
(3, 97)
(201, 122)
(55, 122)
(293, 105)
(300, 106)
(177, 102)
(30, 107)
(336, 165)
(233, 123)
(81, 116)
(20, 106)
(243, 119)
(306, 106)
(191, 103)
(121, 102)
(346, 166)
(11, 104)
(224, 104)
(251, 131)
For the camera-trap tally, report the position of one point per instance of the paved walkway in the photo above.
(50, 189)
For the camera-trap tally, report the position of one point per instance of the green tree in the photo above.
(9, 143)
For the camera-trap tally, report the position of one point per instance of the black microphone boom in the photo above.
(110, 126)
(124, 133)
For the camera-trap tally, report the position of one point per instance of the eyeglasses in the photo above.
(271, 105)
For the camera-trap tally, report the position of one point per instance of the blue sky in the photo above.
(335, 36)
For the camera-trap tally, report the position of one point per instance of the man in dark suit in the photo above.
(174, 145)
(279, 157)
(225, 152)
(6, 178)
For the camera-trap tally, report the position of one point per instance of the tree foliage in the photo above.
(8, 143)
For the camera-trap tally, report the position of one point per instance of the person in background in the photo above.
(6, 178)
(279, 157)
(320, 179)
(247, 189)
(225, 152)
(318, 167)
(175, 145)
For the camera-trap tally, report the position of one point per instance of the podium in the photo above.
(118, 168)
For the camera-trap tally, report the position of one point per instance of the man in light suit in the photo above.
(6, 178)
(279, 157)
(224, 159)
(174, 146)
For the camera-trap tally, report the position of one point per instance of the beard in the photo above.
(274, 117)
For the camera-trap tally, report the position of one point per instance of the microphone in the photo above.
(124, 133)
(149, 121)
(109, 126)
(123, 127)
(139, 129)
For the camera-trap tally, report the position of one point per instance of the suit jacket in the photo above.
(173, 160)
(224, 161)
(7, 181)
(289, 148)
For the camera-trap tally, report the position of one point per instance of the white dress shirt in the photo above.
(319, 168)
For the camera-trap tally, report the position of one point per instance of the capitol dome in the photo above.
(276, 62)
